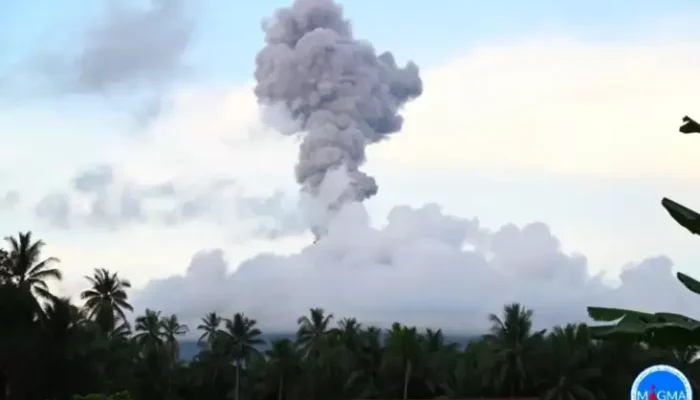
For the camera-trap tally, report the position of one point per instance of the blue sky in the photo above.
(228, 34)
(551, 111)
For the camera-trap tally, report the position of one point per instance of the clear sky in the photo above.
(228, 30)
(130, 139)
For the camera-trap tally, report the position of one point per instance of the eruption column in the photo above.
(343, 94)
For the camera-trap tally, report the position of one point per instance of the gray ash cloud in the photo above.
(344, 94)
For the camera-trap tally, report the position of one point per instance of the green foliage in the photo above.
(51, 349)
(659, 329)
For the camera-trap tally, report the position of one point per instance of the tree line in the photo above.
(52, 349)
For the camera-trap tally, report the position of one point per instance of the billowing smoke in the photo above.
(422, 267)
(341, 92)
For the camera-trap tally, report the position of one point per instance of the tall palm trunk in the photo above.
(312, 387)
(312, 384)
(406, 378)
(238, 378)
(280, 389)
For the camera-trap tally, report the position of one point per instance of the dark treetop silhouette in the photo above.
(51, 349)
(658, 328)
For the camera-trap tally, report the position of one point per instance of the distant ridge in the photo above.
(189, 348)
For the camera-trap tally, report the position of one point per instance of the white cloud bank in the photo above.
(540, 105)
(556, 105)
(423, 268)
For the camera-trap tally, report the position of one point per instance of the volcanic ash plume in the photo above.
(343, 94)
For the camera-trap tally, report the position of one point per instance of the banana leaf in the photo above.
(607, 314)
(686, 217)
(688, 282)
(689, 126)
(658, 329)
(602, 314)
(663, 336)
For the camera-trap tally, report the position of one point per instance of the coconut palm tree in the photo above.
(172, 329)
(61, 346)
(513, 345)
(210, 326)
(312, 337)
(572, 371)
(348, 332)
(341, 350)
(106, 299)
(121, 331)
(241, 337)
(149, 331)
(440, 361)
(313, 330)
(469, 380)
(283, 366)
(364, 379)
(403, 353)
(25, 267)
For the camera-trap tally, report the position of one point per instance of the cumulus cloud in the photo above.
(423, 267)
(101, 199)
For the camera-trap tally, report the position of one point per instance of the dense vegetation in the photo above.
(51, 349)
(661, 329)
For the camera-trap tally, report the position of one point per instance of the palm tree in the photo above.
(312, 337)
(342, 353)
(440, 361)
(512, 346)
(241, 336)
(348, 332)
(210, 327)
(61, 345)
(403, 351)
(172, 328)
(364, 379)
(620, 361)
(313, 330)
(62, 312)
(106, 298)
(149, 330)
(469, 380)
(572, 370)
(25, 267)
(283, 365)
(121, 331)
